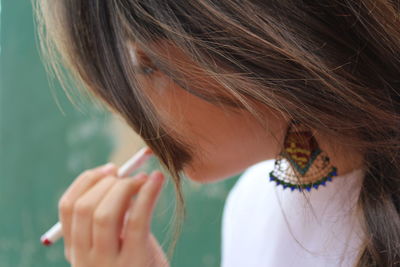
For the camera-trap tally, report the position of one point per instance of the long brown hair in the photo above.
(333, 65)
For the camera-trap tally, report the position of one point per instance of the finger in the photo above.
(139, 219)
(82, 183)
(81, 226)
(108, 216)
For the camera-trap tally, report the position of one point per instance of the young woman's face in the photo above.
(226, 140)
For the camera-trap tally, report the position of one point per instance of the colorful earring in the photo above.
(301, 160)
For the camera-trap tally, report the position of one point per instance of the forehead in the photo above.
(184, 70)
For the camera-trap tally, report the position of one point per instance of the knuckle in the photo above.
(102, 219)
(82, 207)
(65, 205)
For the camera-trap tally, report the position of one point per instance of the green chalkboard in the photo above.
(45, 142)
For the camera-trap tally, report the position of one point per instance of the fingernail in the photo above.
(140, 176)
(156, 176)
(107, 168)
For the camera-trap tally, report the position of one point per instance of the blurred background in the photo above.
(46, 142)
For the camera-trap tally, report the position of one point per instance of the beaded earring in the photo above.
(301, 160)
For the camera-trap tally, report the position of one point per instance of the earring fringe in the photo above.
(302, 165)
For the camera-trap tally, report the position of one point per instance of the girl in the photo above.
(301, 95)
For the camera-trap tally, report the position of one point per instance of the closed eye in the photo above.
(143, 69)
(141, 63)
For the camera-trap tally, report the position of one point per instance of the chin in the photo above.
(197, 176)
(205, 177)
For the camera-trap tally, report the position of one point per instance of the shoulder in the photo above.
(244, 206)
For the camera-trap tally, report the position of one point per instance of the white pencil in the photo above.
(55, 232)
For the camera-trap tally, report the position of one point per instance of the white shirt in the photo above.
(255, 232)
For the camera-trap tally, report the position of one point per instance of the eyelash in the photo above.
(145, 65)
(143, 69)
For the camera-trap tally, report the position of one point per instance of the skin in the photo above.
(227, 140)
(95, 229)
(93, 208)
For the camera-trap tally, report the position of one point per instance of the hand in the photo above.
(104, 226)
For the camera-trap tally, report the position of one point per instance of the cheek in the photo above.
(225, 142)
(230, 144)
